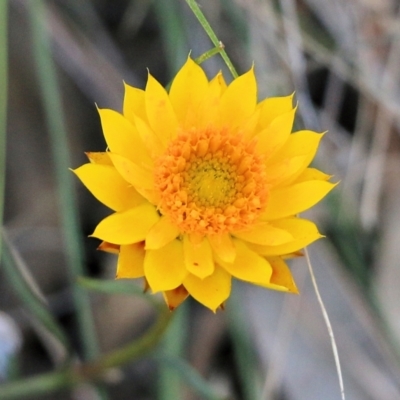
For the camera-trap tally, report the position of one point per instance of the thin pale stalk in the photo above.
(58, 135)
(288, 319)
(3, 103)
(211, 34)
(327, 323)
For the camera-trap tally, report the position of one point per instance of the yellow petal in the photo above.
(207, 113)
(99, 157)
(271, 139)
(130, 261)
(136, 175)
(211, 291)
(122, 137)
(265, 234)
(291, 200)
(303, 231)
(281, 276)
(285, 170)
(248, 127)
(150, 139)
(107, 185)
(198, 257)
(218, 84)
(175, 297)
(127, 227)
(272, 108)
(299, 143)
(223, 246)
(289, 162)
(134, 104)
(312, 174)
(248, 265)
(160, 114)
(164, 268)
(239, 100)
(163, 232)
(188, 89)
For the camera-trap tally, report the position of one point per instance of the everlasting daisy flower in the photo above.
(206, 185)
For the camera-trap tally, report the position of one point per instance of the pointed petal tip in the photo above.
(221, 307)
(175, 297)
(146, 286)
(127, 86)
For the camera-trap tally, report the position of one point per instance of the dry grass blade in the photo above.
(285, 331)
(328, 324)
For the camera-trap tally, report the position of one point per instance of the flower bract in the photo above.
(205, 184)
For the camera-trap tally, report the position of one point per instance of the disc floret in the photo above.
(211, 182)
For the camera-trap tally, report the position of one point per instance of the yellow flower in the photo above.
(205, 185)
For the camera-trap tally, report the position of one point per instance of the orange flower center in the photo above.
(211, 182)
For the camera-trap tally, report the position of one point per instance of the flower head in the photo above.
(205, 184)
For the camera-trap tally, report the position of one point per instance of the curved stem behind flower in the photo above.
(210, 53)
(90, 371)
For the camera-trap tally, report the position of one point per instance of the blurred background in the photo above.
(342, 59)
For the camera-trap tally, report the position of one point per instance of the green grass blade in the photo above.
(3, 103)
(188, 375)
(58, 136)
(121, 286)
(14, 270)
(211, 34)
(173, 345)
(173, 33)
(244, 352)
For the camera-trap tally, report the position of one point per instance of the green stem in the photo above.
(244, 354)
(173, 344)
(69, 219)
(3, 104)
(210, 53)
(90, 371)
(130, 352)
(211, 34)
